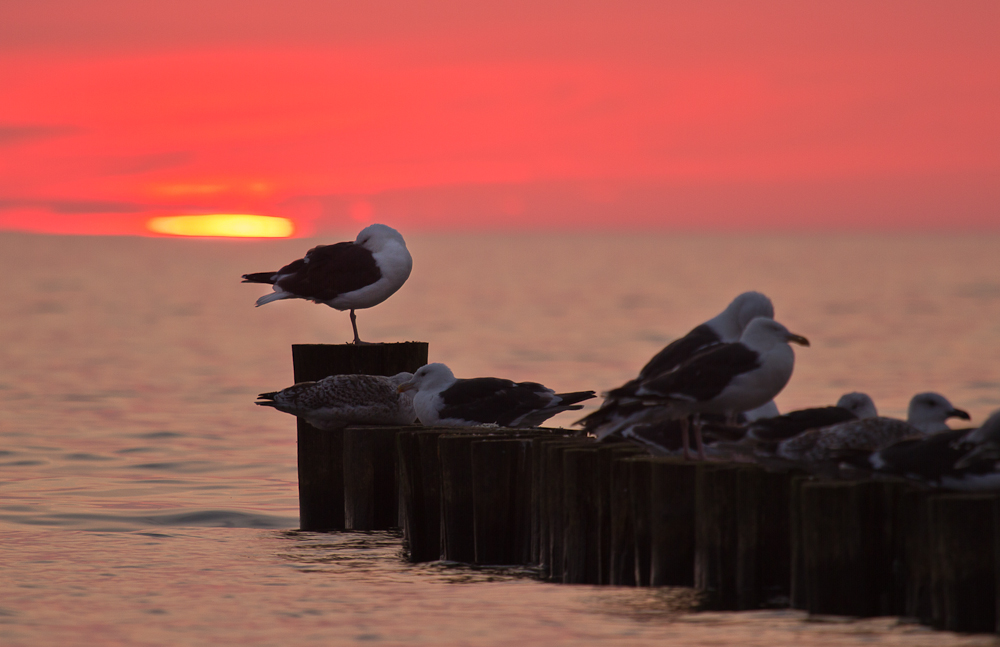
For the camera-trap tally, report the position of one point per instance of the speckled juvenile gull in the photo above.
(927, 414)
(727, 326)
(442, 399)
(345, 276)
(343, 400)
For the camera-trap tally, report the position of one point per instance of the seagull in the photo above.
(927, 414)
(850, 406)
(442, 399)
(757, 432)
(725, 379)
(727, 326)
(345, 276)
(929, 411)
(959, 459)
(763, 412)
(338, 401)
(666, 436)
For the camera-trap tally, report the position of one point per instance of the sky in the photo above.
(715, 115)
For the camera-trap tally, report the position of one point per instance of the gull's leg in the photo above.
(357, 340)
(354, 324)
(685, 439)
(697, 437)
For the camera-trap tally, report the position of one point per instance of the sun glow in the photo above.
(230, 225)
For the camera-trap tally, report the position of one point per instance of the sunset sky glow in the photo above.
(717, 115)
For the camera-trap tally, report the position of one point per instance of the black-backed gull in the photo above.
(725, 379)
(345, 276)
(442, 399)
(342, 400)
(927, 414)
(727, 326)
(850, 406)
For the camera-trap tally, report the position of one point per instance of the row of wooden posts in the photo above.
(598, 513)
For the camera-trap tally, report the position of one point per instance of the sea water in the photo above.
(145, 500)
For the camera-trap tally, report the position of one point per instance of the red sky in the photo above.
(455, 114)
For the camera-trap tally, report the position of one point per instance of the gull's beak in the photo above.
(959, 413)
(405, 386)
(798, 339)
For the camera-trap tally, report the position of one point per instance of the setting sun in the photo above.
(230, 225)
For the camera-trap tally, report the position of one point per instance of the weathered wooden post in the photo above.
(763, 560)
(716, 502)
(540, 512)
(371, 492)
(501, 492)
(555, 486)
(672, 521)
(420, 493)
(847, 548)
(963, 562)
(581, 515)
(458, 538)
(608, 453)
(914, 555)
(899, 537)
(320, 453)
(640, 480)
(622, 540)
(409, 474)
(797, 578)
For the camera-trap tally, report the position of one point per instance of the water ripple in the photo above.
(197, 518)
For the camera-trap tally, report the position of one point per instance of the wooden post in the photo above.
(763, 560)
(672, 521)
(847, 554)
(320, 453)
(554, 484)
(458, 539)
(501, 491)
(408, 474)
(963, 569)
(640, 481)
(540, 514)
(321, 477)
(608, 453)
(797, 579)
(371, 492)
(581, 515)
(622, 539)
(913, 550)
(898, 532)
(420, 493)
(716, 508)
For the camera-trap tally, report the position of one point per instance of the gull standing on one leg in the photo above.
(344, 276)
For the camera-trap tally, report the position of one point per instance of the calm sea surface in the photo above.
(145, 500)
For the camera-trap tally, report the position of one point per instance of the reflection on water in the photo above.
(144, 499)
(242, 586)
